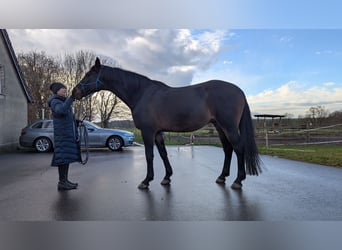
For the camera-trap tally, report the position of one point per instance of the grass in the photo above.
(175, 138)
(330, 155)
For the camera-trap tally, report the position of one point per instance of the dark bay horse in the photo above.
(157, 107)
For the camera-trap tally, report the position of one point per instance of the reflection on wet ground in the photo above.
(287, 190)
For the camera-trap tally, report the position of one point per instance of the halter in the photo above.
(97, 83)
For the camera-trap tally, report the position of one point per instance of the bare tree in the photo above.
(106, 102)
(75, 66)
(336, 117)
(317, 114)
(39, 71)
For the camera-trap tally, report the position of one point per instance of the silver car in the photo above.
(39, 135)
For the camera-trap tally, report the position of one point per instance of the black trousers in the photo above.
(63, 172)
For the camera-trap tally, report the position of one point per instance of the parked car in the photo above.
(39, 135)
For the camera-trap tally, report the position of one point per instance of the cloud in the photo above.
(168, 55)
(286, 39)
(293, 98)
(324, 52)
(229, 73)
(328, 84)
(328, 53)
(180, 57)
(173, 56)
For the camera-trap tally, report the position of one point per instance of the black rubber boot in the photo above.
(63, 174)
(64, 186)
(75, 184)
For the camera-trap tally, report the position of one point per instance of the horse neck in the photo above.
(128, 86)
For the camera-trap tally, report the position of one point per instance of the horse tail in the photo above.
(251, 155)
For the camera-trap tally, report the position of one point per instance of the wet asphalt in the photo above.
(285, 191)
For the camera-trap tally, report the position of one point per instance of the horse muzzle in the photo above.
(77, 93)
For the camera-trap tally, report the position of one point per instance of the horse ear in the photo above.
(97, 62)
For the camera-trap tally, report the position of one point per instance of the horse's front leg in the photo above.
(163, 154)
(148, 142)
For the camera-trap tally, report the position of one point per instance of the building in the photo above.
(14, 96)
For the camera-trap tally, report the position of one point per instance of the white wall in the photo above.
(13, 103)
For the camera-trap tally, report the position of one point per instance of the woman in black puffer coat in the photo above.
(66, 141)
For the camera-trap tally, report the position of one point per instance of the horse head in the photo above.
(90, 83)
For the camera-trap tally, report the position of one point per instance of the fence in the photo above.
(322, 135)
(285, 136)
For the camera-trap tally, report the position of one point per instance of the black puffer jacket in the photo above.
(67, 148)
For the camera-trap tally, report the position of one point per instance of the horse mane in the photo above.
(128, 76)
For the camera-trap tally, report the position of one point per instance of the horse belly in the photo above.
(184, 118)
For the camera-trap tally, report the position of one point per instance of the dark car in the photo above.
(39, 135)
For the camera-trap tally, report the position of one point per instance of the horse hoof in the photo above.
(236, 186)
(165, 182)
(143, 186)
(220, 181)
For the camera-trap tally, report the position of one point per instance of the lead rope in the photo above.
(84, 138)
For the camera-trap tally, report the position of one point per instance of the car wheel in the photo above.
(114, 143)
(42, 144)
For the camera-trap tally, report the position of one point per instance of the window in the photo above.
(37, 125)
(47, 124)
(2, 79)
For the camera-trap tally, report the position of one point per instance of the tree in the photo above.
(75, 66)
(316, 114)
(39, 71)
(289, 115)
(106, 102)
(336, 117)
(102, 103)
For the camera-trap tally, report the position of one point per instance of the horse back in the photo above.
(225, 100)
(191, 107)
(221, 93)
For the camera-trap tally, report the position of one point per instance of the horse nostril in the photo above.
(77, 93)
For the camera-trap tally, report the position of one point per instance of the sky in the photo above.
(285, 55)
(280, 70)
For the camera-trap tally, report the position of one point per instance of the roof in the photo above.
(16, 66)
(269, 116)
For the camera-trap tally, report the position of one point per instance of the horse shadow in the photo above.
(158, 206)
(231, 205)
(237, 206)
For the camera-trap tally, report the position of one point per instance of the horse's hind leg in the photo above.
(228, 151)
(233, 137)
(159, 140)
(239, 151)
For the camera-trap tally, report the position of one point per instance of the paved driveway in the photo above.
(286, 191)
